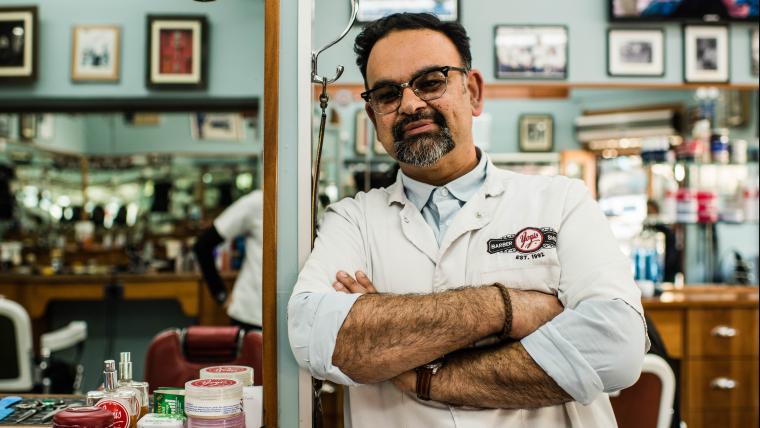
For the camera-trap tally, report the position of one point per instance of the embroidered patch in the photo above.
(528, 240)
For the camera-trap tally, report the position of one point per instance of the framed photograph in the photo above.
(95, 53)
(636, 52)
(755, 54)
(27, 126)
(18, 44)
(536, 133)
(177, 52)
(705, 53)
(530, 52)
(370, 10)
(217, 126)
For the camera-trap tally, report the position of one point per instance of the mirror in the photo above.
(104, 206)
(102, 199)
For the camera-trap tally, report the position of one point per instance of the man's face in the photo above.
(420, 133)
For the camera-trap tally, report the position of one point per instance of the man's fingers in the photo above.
(347, 281)
(339, 287)
(365, 282)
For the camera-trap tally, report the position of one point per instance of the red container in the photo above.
(83, 417)
(707, 207)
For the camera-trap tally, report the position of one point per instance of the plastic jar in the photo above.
(213, 398)
(234, 421)
(244, 374)
(83, 417)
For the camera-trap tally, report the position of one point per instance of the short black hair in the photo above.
(380, 28)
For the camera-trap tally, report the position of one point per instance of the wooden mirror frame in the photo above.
(269, 265)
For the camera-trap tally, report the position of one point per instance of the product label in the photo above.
(225, 369)
(121, 417)
(213, 383)
(211, 408)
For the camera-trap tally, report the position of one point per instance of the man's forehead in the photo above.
(401, 54)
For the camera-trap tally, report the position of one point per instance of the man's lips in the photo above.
(419, 127)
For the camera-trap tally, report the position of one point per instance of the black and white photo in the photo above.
(706, 52)
(18, 43)
(370, 10)
(635, 52)
(95, 53)
(536, 132)
(530, 52)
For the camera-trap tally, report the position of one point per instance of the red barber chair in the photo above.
(176, 356)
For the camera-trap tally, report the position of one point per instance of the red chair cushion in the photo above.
(170, 362)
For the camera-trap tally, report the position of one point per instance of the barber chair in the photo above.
(21, 371)
(648, 403)
(176, 356)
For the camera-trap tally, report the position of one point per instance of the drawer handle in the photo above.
(723, 331)
(723, 383)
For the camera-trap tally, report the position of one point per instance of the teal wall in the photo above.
(587, 25)
(287, 209)
(236, 46)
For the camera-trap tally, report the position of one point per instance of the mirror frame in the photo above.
(270, 156)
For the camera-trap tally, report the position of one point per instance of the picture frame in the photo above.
(755, 51)
(636, 52)
(706, 54)
(530, 52)
(536, 132)
(217, 126)
(177, 52)
(27, 126)
(18, 44)
(95, 53)
(370, 10)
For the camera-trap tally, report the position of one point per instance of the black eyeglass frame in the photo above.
(367, 95)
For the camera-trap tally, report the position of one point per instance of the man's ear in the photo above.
(475, 85)
(371, 114)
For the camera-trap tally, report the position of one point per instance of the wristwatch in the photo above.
(425, 374)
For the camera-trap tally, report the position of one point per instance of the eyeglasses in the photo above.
(428, 85)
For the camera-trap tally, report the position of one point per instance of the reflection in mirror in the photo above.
(134, 223)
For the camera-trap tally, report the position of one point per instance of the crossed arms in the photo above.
(384, 337)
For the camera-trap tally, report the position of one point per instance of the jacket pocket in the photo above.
(544, 278)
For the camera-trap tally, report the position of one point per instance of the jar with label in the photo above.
(213, 398)
(719, 146)
(739, 151)
(83, 417)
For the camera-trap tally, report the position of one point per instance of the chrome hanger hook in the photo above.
(315, 77)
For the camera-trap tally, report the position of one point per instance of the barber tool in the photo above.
(49, 415)
(5, 406)
(26, 415)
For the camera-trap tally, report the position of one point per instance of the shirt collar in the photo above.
(462, 188)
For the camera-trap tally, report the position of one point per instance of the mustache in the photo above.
(435, 116)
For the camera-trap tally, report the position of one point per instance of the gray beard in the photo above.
(424, 149)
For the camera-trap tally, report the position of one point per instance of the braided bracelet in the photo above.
(507, 328)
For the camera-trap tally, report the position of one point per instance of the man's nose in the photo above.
(410, 102)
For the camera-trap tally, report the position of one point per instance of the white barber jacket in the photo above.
(527, 232)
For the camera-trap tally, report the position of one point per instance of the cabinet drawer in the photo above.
(669, 324)
(723, 419)
(722, 384)
(722, 332)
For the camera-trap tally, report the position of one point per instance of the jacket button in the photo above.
(478, 215)
(406, 220)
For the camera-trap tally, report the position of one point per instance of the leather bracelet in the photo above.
(507, 328)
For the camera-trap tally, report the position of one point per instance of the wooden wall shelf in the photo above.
(553, 90)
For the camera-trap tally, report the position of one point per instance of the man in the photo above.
(551, 318)
(242, 218)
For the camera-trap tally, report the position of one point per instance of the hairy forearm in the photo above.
(503, 377)
(385, 335)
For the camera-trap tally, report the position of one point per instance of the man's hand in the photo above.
(347, 284)
(406, 382)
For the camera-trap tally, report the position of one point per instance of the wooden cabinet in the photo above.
(714, 332)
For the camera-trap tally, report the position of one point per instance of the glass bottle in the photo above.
(125, 380)
(121, 402)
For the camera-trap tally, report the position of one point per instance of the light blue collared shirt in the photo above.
(439, 205)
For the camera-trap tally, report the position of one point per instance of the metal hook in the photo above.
(315, 77)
